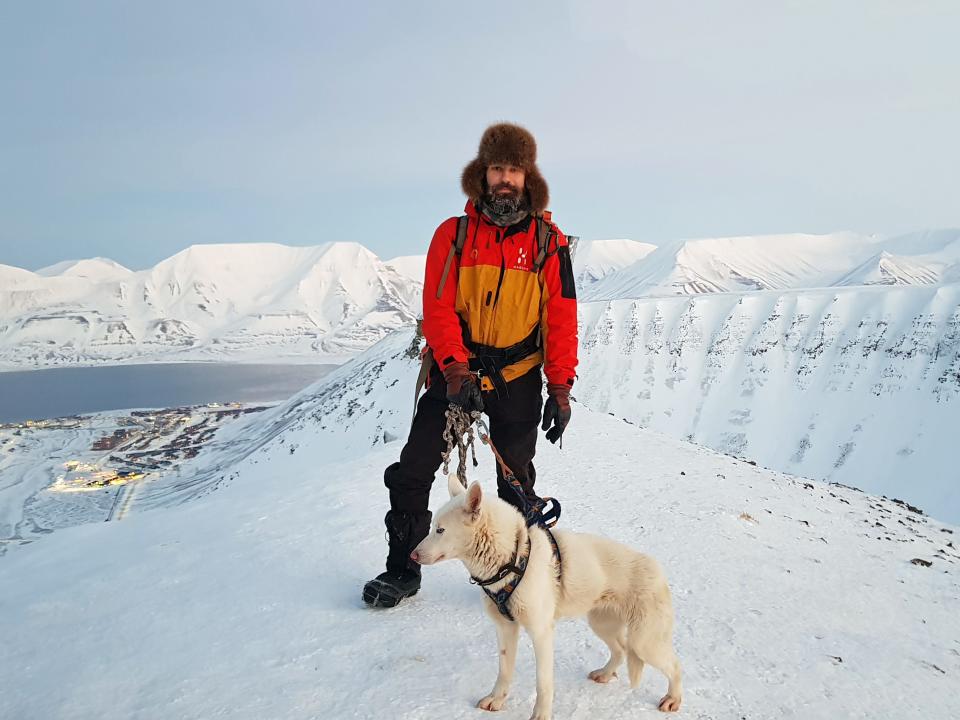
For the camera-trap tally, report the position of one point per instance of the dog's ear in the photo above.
(474, 496)
(454, 486)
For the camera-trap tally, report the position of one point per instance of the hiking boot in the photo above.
(388, 588)
(402, 578)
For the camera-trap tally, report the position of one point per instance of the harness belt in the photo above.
(489, 361)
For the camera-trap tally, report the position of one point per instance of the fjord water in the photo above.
(60, 392)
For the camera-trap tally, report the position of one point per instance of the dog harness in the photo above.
(501, 597)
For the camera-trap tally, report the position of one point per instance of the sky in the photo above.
(134, 130)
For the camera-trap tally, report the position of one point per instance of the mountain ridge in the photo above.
(207, 302)
(781, 262)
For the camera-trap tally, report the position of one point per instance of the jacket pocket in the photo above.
(568, 287)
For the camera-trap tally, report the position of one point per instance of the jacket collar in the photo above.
(474, 213)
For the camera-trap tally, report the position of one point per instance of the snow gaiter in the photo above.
(404, 533)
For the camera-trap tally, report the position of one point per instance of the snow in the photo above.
(412, 267)
(12, 277)
(232, 588)
(98, 269)
(593, 260)
(735, 264)
(208, 302)
(785, 262)
(67, 471)
(857, 385)
(916, 259)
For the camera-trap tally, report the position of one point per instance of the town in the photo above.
(76, 469)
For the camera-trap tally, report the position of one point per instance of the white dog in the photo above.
(623, 593)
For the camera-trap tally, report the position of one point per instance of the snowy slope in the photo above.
(11, 277)
(366, 403)
(256, 301)
(594, 260)
(859, 386)
(793, 599)
(92, 268)
(921, 258)
(785, 262)
(736, 264)
(411, 267)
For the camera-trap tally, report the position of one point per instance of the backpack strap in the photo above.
(455, 249)
(543, 242)
(426, 363)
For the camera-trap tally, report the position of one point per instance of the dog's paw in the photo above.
(669, 704)
(602, 675)
(492, 702)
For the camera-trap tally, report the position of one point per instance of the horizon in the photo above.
(675, 241)
(142, 130)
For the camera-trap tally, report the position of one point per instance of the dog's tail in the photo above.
(634, 666)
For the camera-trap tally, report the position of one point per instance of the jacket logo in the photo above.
(523, 261)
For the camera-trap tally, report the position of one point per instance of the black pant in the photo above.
(514, 417)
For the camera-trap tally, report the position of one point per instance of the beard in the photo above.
(504, 200)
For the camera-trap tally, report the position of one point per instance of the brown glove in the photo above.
(463, 388)
(556, 411)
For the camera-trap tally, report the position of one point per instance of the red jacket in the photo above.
(492, 289)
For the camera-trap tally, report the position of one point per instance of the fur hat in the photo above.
(506, 144)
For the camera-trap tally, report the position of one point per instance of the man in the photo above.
(493, 314)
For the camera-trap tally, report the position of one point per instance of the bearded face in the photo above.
(504, 198)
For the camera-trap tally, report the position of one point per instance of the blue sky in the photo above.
(133, 130)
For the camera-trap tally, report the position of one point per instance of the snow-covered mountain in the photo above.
(410, 266)
(793, 598)
(834, 357)
(96, 269)
(257, 301)
(923, 258)
(327, 303)
(11, 277)
(227, 302)
(785, 262)
(593, 260)
(855, 385)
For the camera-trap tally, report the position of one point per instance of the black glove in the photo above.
(556, 411)
(463, 387)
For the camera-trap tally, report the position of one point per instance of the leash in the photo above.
(544, 511)
(535, 513)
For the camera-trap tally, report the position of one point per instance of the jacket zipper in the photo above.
(503, 268)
